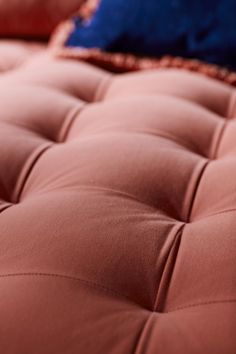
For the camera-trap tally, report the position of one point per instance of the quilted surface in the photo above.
(117, 211)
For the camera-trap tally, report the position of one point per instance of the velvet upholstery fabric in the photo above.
(14, 53)
(117, 210)
(190, 29)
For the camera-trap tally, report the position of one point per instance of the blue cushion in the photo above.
(204, 30)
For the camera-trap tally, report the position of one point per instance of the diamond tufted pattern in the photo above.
(117, 211)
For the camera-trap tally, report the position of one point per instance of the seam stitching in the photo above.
(201, 304)
(230, 106)
(68, 277)
(120, 193)
(219, 140)
(218, 213)
(199, 179)
(69, 121)
(102, 89)
(30, 169)
(138, 348)
(161, 293)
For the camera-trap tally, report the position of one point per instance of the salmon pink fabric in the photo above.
(117, 211)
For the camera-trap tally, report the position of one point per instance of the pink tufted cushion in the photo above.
(117, 211)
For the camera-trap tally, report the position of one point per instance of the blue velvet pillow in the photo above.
(204, 30)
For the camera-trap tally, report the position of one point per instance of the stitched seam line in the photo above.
(102, 89)
(196, 190)
(216, 214)
(119, 193)
(168, 271)
(164, 135)
(219, 140)
(139, 346)
(30, 169)
(68, 277)
(20, 125)
(69, 121)
(231, 106)
(201, 304)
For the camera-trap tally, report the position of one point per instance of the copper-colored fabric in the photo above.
(117, 211)
(34, 17)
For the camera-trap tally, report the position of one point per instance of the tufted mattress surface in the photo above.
(117, 211)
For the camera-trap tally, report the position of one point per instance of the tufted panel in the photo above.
(117, 211)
